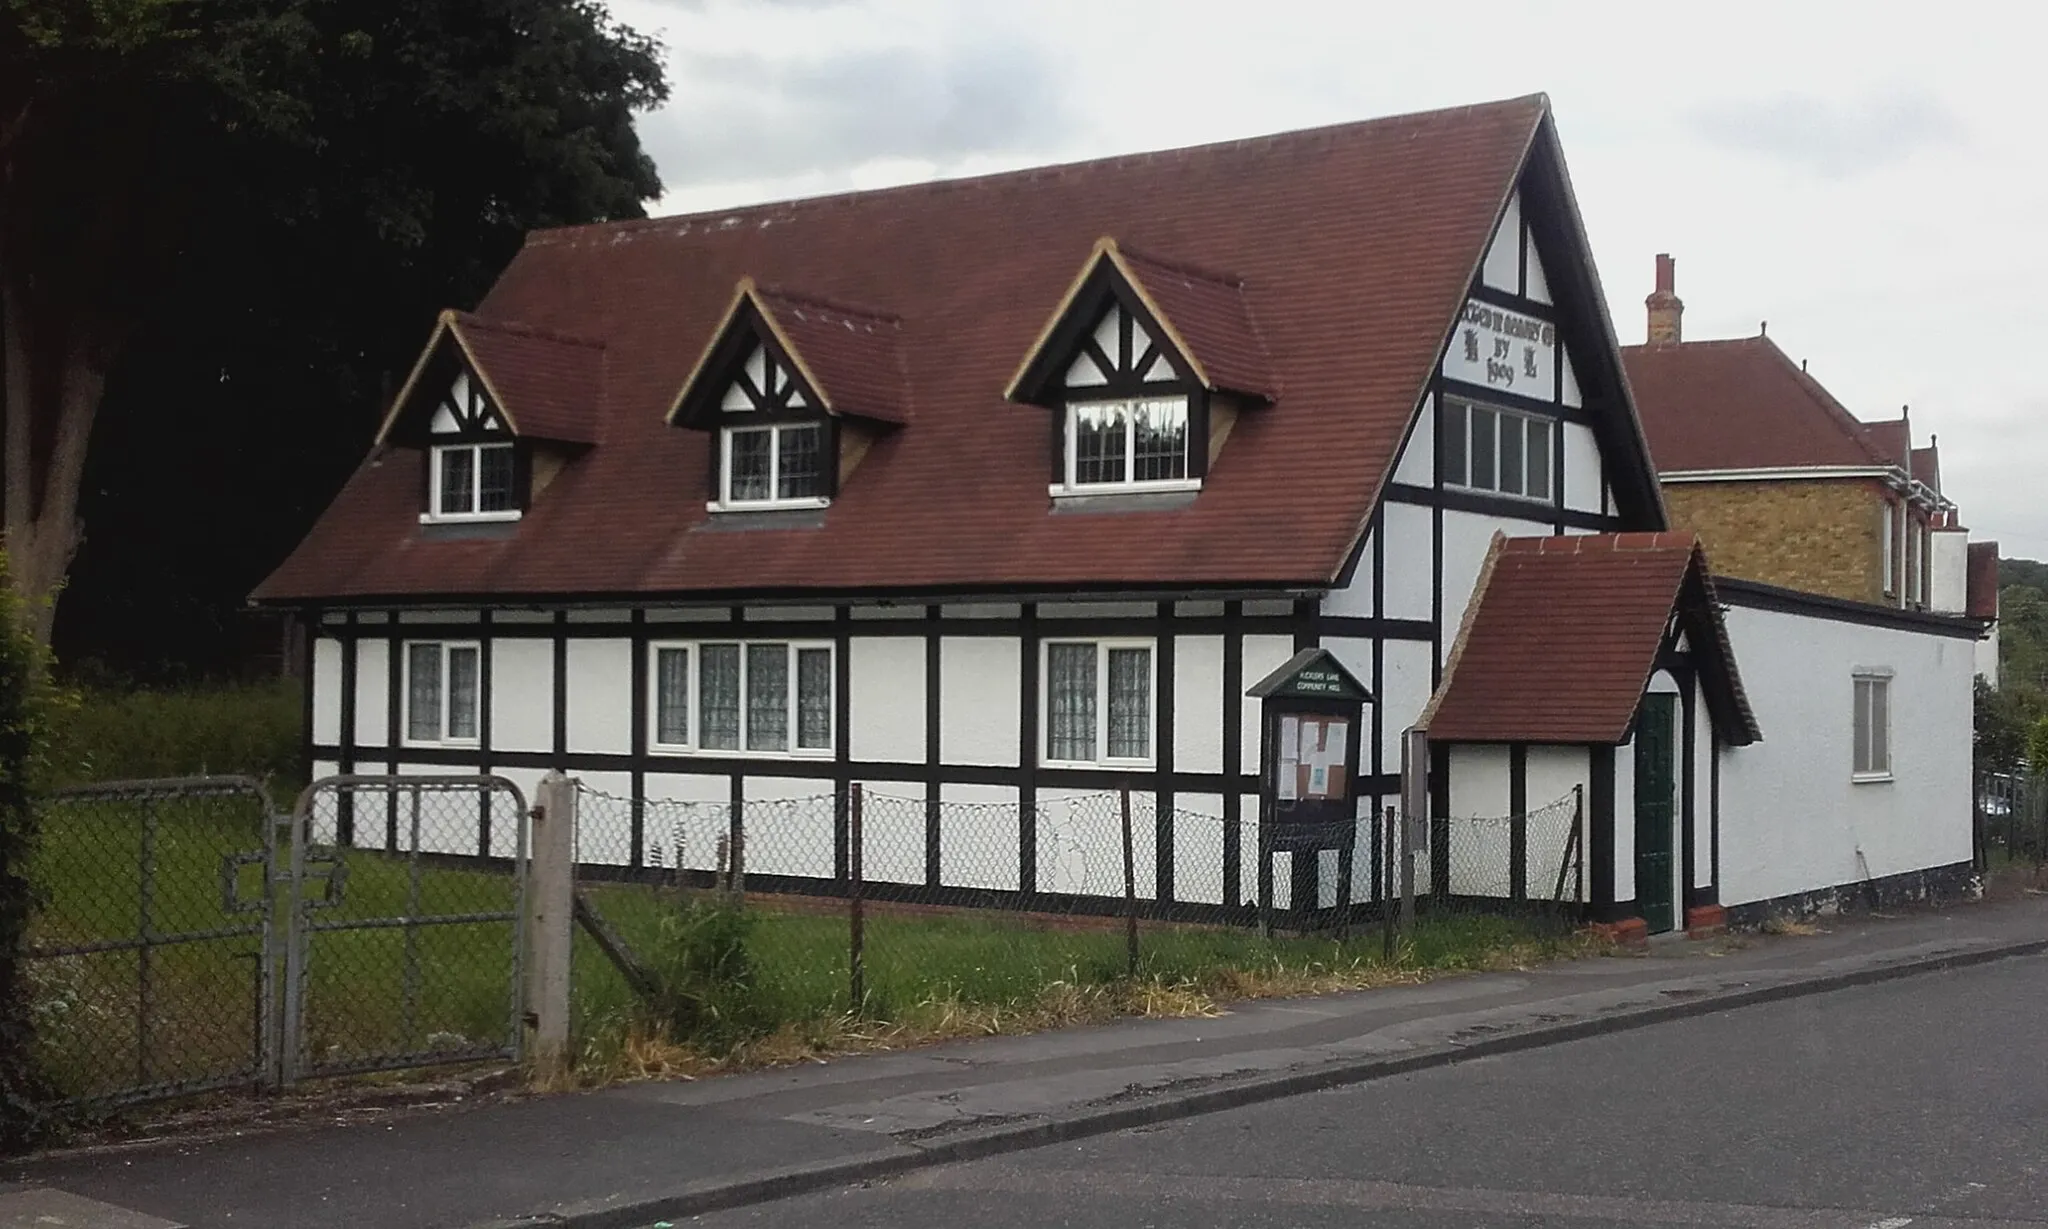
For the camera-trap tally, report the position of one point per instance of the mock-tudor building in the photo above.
(1790, 488)
(1006, 490)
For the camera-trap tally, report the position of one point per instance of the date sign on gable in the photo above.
(1498, 348)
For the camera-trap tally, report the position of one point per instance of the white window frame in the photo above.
(434, 515)
(1890, 521)
(1875, 771)
(1102, 758)
(1465, 406)
(1070, 485)
(725, 501)
(447, 647)
(693, 745)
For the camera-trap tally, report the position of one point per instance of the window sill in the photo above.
(469, 518)
(1535, 501)
(1870, 778)
(768, 505)
(726, 753)
(1103, 765)
(446, 744)
(1062, 490)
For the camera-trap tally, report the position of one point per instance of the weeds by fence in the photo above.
(869, 906)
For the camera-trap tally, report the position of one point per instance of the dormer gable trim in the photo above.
(445, 328)
(867, 380)
(561, 376)
(1142, 285)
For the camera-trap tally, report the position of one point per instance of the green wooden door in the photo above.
(1656, 794)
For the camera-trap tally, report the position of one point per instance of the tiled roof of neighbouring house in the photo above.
(1348, 253)
(1742, 404)
(1562, 635)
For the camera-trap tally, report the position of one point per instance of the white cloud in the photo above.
(1863, 175)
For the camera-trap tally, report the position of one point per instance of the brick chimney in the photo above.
(1666, 308)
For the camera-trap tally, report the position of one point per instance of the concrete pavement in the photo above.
(628, 1156)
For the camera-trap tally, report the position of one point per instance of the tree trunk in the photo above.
(41, 525)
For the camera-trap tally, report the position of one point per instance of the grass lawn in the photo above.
(369, 992)
(448, 988)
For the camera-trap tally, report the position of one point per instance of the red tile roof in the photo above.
(1926, 467)
(1892, 438)
(543, 381)
(1562, 635)
(1209, 315)
(1356, 242)
(1980, 581)
(851, 354)
(1740, 404)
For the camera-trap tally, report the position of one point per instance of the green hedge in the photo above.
(25, 705)
(254, 728)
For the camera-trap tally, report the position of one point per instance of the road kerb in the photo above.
(767, 1185)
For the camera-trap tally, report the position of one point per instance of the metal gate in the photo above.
(153, 948)
(188, 937)
(403, 940)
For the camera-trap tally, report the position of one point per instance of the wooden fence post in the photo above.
(856, 855)
(550, 923)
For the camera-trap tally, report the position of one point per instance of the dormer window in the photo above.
(793, 390)
(472, 463)
(772, 450)
(1141, 406)
(1129, 444)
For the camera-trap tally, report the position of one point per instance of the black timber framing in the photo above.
(1232, 702)
(1518, 821)
(1162, 754)
(1027, 752)
(1600, 833)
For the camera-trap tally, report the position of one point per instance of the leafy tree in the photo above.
(224, 219)
(2004, 720)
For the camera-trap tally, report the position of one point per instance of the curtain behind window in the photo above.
(672, 696)
(423, 692)
(718, 697)
(1130, 704)
(767, 697)
(814, 699)
(462, 692)
(1070, 701)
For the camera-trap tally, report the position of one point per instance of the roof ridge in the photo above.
(736, 215)
(520, 329)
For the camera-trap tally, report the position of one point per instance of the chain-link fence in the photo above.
(406, 941)
(146, 964)
(871, 900)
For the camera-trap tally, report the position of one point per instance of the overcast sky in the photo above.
(1869, 178)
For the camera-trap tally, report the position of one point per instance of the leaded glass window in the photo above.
(768, 465)
(1130, 704)
(1070, 702)
(423, 692)
(672, 697)
(814, 699)
(443, 692)
(718, 697)
(767, 697)
(1127, 443)
(1098, 702)
(474, 480)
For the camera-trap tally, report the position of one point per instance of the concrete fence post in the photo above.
(550, 923)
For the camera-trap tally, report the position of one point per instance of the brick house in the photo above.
(1787, 487)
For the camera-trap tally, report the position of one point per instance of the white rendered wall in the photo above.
(1553, 773)
(1198, 848)
(600, 682)
(373, 693)
(1583, 481)
(885, 704)
(978, 700)
(1198, 704)
(1986, 655)
(1417, 466)
(685, 817)
(789, 826)
(978, 836)
(1355, 599)
(1405, 542)
(522, 695)
(326, 691)
(1791, 818)
(1502, 268)
(1262, 656)
(1404, 692)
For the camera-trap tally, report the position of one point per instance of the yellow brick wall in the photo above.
(1816, 536)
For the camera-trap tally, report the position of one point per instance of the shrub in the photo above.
(25, 703)
(252, 728)
(706, 992)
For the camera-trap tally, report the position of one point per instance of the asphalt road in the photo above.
(1920, 1102)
